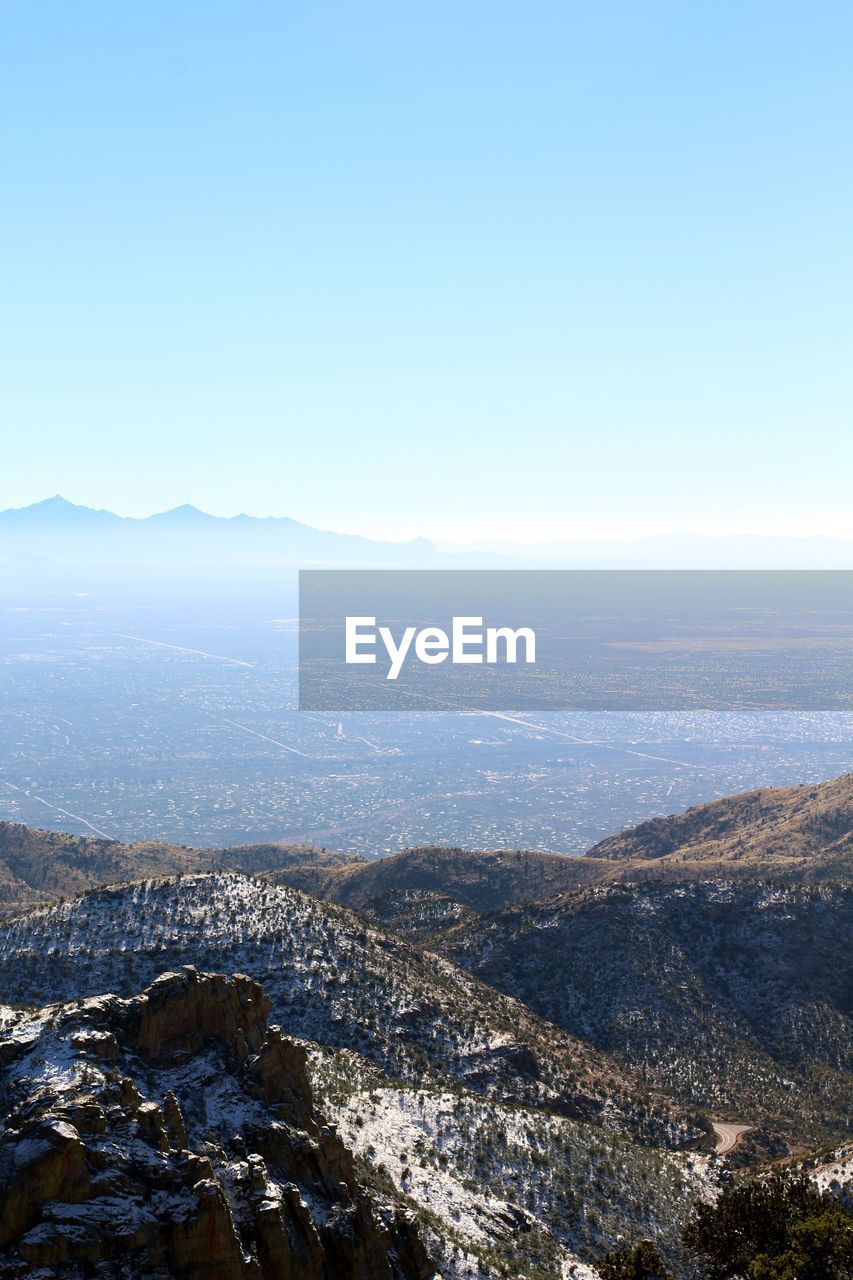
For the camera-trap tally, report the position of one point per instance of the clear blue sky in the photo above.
(464, 269)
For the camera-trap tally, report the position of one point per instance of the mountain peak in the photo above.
(56, 503)
(56, 510)
(185, 511)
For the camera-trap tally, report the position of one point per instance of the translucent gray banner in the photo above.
(537, 640)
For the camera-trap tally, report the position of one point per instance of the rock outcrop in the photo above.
(174, 1135)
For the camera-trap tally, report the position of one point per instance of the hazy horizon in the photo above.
(498, 543)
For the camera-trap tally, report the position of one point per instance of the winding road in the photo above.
(727, 1136)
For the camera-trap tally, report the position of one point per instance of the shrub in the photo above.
(778, 1228)
(643, 1262)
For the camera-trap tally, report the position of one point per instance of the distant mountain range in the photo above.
(64, 532)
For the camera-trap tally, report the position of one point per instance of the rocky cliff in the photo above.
(174, 1134)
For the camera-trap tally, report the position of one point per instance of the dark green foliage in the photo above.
(779, 1228)
(643, 1262)
(719, 994)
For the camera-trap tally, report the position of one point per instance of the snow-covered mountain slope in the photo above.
(334, 979)
(39, 867)
(833, 1172)
(176, 1129)
(175, 1134)
(507, 1190)
(735, 995)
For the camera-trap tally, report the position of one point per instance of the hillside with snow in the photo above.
(523, 1085)
(335, 979)
(504, 1190)
(736, 996)
(510, 1142)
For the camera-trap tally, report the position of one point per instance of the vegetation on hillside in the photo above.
(776, 1228)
